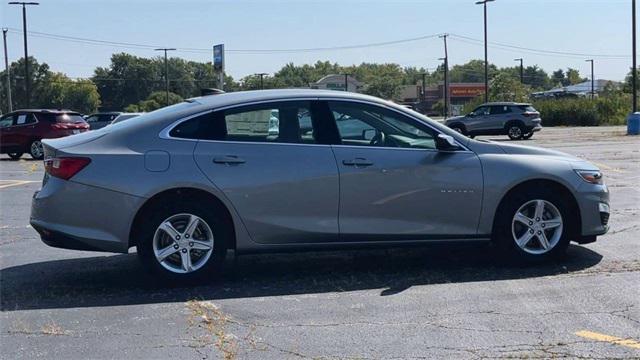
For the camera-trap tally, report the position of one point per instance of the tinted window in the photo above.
(69, 118)
(284, 122)
(6, 121)
(500, 109)
(369, 125)
(92, 118)
(527, 108)
(483, 110)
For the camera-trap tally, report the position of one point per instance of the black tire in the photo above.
(216, 220)
(15, 156)
(515, 130)
(459, 128)
(35, 150)
(503, 236)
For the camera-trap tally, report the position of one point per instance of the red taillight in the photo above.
(531, 114)
(65, 167)
(70, 126)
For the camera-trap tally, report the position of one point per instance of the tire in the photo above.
(205, 264)
(515, 131)
(35, 150)
(508, 230)
(15, 156)
(459, 128)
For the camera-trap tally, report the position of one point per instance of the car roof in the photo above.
(502, 103)
(232, 98)
(48, 111)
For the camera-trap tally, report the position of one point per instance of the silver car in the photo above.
(517, 120)
(187, 182)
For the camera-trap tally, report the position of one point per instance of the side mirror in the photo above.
(368, 134)
(446, 143)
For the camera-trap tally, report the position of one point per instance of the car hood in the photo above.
(452, 119)
(576, 162)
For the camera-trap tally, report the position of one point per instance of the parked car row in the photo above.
(22, 131)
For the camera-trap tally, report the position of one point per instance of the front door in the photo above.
(281, 179)
(395, 183)
(7, 140)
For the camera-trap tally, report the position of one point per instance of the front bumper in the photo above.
(70, 215)
(593, 201)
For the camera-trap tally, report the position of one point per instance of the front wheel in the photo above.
(183, 243)
(533, 225)
(35, 150)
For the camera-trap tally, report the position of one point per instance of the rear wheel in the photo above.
(183, 242)
(35, 150)
(15, 156)
(533, 225)
(515, 131)
(460, 129)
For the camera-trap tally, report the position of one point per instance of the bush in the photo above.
(605, 110)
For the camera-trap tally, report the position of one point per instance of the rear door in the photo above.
(270, 162)
(498, 116)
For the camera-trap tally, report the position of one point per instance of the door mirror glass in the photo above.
(446, 143)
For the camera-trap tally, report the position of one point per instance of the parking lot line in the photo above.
(608, 338)
(10, 183)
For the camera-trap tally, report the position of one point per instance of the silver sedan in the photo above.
(305, 169)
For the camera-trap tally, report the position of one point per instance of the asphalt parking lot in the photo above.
(435, 302)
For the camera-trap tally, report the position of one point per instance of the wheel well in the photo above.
(460, 125)
(554, 186)
(179, 194)
(519, 122)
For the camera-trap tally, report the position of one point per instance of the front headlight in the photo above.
(591, 176)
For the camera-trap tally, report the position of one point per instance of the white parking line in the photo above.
(10, 183)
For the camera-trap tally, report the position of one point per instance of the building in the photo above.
(459, 94)
(336, 82)
(582, 89)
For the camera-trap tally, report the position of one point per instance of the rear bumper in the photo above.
(75, 216)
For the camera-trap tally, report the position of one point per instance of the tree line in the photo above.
(136, 83)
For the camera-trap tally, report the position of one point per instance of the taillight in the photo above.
(65, 167)
(70, 126)
(531, 114)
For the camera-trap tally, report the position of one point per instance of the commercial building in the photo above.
(336, 82)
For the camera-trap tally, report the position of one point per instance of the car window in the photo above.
(92, 118)
(483, 110)
(370, 125)
(499, 109)
(282, 122)
(288, 122)
(69, 118)
(6, 121)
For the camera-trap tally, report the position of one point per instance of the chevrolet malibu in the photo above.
(283, 170)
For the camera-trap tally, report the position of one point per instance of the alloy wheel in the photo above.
(183, 243)
(515, 132)
(537, 227)
(36, 149)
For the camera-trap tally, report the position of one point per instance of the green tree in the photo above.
(156, 100)
(504, 87)
(573, 77)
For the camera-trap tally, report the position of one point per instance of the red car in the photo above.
(22, 130)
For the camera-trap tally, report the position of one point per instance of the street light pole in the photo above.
(7, 70)
(27, 80)
(521, 70)
(446, 76)
(486, 56)
(346, 82)
(634, 75)
(261, 80)
(423, 94)
(166, 70)
(592, 80)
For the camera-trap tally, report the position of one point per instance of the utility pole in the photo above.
(166, 70)
(27, 79)
(593, 92)
(423, 93)
(346, 82)
(7, 70)
(634, 75)
(261, 80)
(521, 70)
(446, 76)
(486, 56)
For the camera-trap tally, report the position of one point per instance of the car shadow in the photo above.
(21, 159)
(120, 280)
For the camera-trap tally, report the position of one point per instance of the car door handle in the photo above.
(228, 159)
(357, 162)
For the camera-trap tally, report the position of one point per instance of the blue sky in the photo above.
(576, 26)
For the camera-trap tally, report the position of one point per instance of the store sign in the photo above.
(218, 57)
(466, 91)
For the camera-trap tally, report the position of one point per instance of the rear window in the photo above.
(69, 118)
(527, 108)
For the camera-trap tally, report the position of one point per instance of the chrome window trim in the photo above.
(164, 133)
